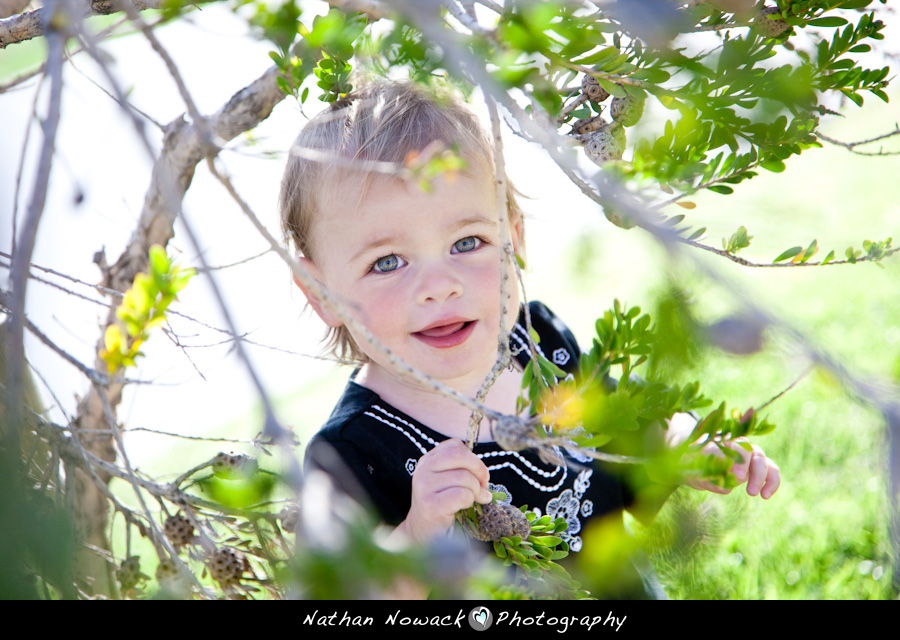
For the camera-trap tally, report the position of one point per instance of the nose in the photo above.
(437, 282)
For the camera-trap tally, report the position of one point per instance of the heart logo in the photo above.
(480, 618)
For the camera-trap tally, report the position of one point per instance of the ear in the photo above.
(314, 301)
(517, 233)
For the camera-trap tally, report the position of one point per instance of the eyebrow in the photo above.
(373, 245)
(384, 241)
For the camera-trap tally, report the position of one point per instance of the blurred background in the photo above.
(824, 535)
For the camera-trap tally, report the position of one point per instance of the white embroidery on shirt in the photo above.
(400, 428)
(568, 506)
(519, 334)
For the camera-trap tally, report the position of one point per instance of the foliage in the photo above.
(143, 308)
(683, 98)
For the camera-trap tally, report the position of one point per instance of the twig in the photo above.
(851, 146)
(469, 21)
(28, 233)
(255, 443)
(785, 390)
(748, 263)
(507, 254)
(235, 264)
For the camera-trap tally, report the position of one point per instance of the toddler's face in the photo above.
(420, 270)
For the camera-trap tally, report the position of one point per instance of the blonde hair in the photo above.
(381, 122)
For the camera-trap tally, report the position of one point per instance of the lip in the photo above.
(446, 333)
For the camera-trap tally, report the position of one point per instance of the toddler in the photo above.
(421, 270)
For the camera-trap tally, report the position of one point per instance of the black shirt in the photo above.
(371, 449)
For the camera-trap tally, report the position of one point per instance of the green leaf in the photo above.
(612, 88)
(790, 253)
(594, 58)
(776, 166)
(699, 232)
(670, 102)
(831, 21)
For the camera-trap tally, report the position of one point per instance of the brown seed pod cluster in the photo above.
(587, 125)
(605, 141)
(770, 28)
(605, 144)
(502, 521)
(591, 88)
(226, 566)
(179, 530)
(129, 573)
(232, 465)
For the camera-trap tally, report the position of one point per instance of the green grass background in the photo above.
(825, 533)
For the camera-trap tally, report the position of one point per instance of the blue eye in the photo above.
(467, 244)
(387, 264)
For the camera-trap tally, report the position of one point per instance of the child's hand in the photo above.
(447, 478)
(761, 474)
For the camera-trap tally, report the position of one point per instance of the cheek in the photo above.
(489, 286)
(381, 311)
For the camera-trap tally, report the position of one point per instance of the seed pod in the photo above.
(171, 580)
(179, 530)
(232, 465)
(627, 111)
(129, 573)
(605, 145)
(770, 28)
(498, 521)
(588, 125)
(166, 571)
(226, 567)
(592, 89)
(618, 218)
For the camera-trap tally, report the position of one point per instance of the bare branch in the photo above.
(31, 24)
(851, 146)
(28, 233)
(506, 258)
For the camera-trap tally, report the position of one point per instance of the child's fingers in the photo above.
(453, 454)
(443, 483)
(771, 480)
(762, 476)
(455, 498)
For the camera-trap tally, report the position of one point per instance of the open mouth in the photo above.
(447, 335)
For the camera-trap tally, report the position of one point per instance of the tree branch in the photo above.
(28, 233)
(31, 24)
(851, 146)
